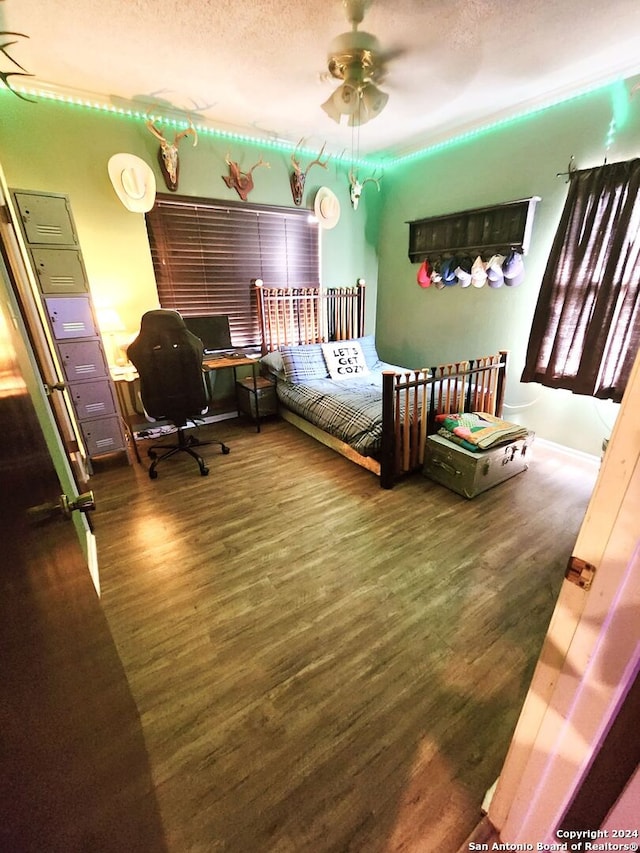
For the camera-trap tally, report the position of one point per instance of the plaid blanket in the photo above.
(478, 430)
(348, 409)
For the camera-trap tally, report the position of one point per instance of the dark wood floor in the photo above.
(318, 664)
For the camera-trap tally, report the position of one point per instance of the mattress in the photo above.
(348, 409)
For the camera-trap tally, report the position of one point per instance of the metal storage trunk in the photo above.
(469, 473)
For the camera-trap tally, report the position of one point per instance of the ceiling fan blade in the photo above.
(392, 53)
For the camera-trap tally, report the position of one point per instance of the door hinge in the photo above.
(580, 572)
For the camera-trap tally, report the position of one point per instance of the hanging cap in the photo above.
(478, 273)
(513, 269)
(495, 275)
(424, 274)
(448, 272)
(463, 272)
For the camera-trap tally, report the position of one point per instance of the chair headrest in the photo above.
(161, 320)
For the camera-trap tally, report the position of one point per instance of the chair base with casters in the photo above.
(186, 444)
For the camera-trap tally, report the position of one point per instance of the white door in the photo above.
(590, 656)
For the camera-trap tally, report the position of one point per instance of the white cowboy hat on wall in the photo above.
(326, 208)
(133, 181)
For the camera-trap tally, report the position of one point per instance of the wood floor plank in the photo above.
(319, 664)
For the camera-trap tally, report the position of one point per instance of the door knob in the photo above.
(83, 503)
(43, 513)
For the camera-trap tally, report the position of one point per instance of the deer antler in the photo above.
(260, 162)
(4, 75)
(168, 151)
(191, 129)
(356, 186)
(298, 177)
(317, 162)
(241, 182)
(373, 180)
(151, 125)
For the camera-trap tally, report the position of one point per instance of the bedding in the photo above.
(348, 408)
(478, 431)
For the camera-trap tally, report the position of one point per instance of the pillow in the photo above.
(272, 361)
(370, 353)
(345, 359)
(304, 363)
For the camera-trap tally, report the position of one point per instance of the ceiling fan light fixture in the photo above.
(355, 59)
(374, 100)
(344, 101)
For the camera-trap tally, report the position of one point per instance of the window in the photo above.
(206, 253)
(586, 326)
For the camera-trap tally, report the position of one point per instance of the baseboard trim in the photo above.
(568, 451)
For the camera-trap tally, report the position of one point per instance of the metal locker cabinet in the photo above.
(56, 260)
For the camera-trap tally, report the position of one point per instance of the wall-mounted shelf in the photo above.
(498, 228)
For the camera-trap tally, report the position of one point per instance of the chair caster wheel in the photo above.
(153, 474)
(204, 471)
(225, 449)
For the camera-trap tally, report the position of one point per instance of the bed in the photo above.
(376, 414)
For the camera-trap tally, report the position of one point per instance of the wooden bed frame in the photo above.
(309, 315)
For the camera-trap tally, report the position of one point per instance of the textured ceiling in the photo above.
(258, 67)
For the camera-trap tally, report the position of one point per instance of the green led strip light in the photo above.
(216, 133)
(460, 139)
(616, 89)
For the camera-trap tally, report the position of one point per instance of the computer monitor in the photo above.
(213, 330)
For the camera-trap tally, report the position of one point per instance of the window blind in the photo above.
(205, 254)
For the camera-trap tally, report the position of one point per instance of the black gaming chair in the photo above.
(168, 358)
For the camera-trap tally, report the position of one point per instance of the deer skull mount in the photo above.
(298, 176)
(241, 182)
(356, 186)
(168, 153)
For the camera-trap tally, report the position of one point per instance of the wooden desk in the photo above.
(230, 361)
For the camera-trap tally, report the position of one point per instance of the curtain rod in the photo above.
(573, 170)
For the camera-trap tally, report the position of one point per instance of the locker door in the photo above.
(46, 218)
(59, 270)
(70, 318)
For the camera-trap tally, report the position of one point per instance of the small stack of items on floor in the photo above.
(473, 451)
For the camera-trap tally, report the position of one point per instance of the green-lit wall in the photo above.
(421, 327)
(65, 148)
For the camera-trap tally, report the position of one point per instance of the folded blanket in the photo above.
(480, 430)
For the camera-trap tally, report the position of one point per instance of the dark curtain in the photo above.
(586, 326)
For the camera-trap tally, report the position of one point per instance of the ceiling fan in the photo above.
(356, 58)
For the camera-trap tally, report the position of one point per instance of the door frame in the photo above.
(36, 386)
(590, 656)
